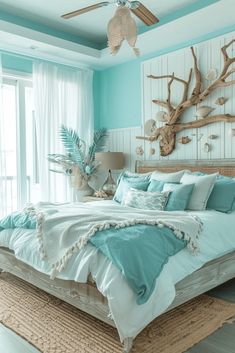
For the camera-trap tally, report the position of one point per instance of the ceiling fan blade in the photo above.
(84, 10)
(143, 13)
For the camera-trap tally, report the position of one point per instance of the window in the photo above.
(19, 151)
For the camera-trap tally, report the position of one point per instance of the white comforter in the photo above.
(217, 239)
(63, 229)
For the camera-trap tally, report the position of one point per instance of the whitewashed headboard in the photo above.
(222, 166)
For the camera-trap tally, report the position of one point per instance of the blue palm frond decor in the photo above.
(74, 146)
(98, 145)
(76, 159)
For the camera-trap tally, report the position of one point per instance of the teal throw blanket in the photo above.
(140, 252)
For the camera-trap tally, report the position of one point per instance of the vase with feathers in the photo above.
(79, 163)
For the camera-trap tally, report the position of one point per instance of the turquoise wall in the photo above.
(118, 96)
(11, 62)
(118, 89)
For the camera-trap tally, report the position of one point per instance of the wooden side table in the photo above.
(93, 198)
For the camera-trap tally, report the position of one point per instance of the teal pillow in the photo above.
(155, 185)
(126, 184)
(134, 176)
(222, 197)
(130, 178)
(18, 220)
(233, 206)
(179, 196)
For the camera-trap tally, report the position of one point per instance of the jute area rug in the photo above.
(53, 326)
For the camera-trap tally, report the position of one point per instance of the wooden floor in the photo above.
(11, 343)
(221, 341)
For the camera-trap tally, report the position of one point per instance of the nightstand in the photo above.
(93, 198)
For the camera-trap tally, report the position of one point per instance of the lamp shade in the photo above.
(110, 160)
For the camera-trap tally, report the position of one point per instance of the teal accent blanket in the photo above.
(18, 220)
(140, 252)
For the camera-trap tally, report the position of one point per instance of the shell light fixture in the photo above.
(122, 27)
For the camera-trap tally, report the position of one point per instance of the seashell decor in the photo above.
(207, 147)
(161, 116)
(213, 137)
(149, 127)
(139, 151)
(211, 75)
(203, 111)
(221, 100)
(231, 132)
(184, 140)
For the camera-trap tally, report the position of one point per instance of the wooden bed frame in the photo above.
(87, 298)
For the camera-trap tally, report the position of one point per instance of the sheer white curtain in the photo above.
(62, 96)
(3, 177)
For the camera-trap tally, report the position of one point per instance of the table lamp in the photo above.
(110, 161)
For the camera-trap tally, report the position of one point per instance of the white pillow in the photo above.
(146, 199)
(202, 189)
(168, 177)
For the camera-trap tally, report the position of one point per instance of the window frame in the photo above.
(20, 81)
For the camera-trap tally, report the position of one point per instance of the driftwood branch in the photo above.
(161, 103)
(167, 104)
(198, 77)
(227, 118)
(170, 107)
(167, 133)
(221, 80)
(168, 76)
(186, 87)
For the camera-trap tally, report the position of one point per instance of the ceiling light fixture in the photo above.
(121, 26)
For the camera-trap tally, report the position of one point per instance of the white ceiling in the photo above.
(92, 25)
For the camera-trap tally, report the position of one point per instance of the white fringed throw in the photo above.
(63, 230)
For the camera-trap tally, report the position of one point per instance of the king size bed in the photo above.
(92, 283)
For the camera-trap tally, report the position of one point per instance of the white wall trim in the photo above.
(124, 128)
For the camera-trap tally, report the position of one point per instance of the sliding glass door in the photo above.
(9, 147)
(18, 149)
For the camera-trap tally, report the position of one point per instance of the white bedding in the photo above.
(217, 239)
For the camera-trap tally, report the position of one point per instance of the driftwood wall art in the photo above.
(166, 134)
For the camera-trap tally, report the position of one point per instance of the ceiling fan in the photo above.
(136, 7)
(121, 26)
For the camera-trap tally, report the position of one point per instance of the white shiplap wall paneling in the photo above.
(209, 57)
(124, 140)
(230, 106)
